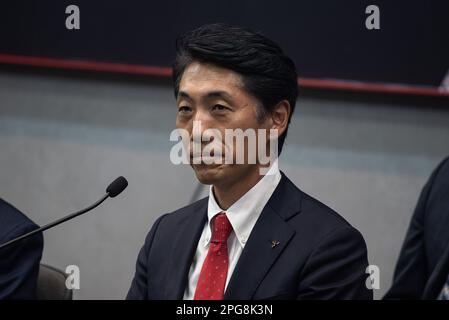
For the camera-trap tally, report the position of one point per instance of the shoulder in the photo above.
(441, 173)
(306, 207)
(438, 184)
(175, 218)
(316, 221)
(187, 211)
(13, 222)
(324, 215)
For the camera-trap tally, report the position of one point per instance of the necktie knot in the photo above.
(221, 228)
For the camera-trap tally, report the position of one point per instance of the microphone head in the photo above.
(116, 187)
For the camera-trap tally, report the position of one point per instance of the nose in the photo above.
(204, 133)
(201, 122)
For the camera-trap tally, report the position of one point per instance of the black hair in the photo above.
(267, 73)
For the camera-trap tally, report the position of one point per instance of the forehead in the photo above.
(199, 78)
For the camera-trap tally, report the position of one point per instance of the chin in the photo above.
(209, 174)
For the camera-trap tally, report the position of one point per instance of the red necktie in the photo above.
(212, 279)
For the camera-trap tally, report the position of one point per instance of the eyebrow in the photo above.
(183, 94)
(211, 94)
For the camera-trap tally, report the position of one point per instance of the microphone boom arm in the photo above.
(55, 223)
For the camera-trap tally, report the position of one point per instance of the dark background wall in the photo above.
(327, 39)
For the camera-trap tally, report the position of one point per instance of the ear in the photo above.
(280, 115)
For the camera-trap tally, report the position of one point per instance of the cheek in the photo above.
(184, 124)
(178, 123)
(246, 118)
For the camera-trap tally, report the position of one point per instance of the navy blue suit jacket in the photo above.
(319, 256)
(19, 263)
(423, 264)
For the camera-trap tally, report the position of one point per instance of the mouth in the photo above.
(213, 158)
(206, 160)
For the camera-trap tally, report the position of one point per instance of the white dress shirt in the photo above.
(242, 215)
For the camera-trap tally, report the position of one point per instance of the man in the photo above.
(422, 270)
(19, 262)
(255, 236)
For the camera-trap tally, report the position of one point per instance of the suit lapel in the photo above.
(270, 236)
(185, 244)
(258, 255)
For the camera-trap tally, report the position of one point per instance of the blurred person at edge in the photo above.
(19, 262)
(422, 270)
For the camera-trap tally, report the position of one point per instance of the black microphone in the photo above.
(114, 189)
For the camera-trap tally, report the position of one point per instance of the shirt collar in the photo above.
(243, 214)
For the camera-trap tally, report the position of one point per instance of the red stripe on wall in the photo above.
(334, 84)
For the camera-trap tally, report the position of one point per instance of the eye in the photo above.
(220, 108)
(184, 109)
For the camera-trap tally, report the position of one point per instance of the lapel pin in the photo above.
(274, 243)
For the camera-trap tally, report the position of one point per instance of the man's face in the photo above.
(216, 98)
